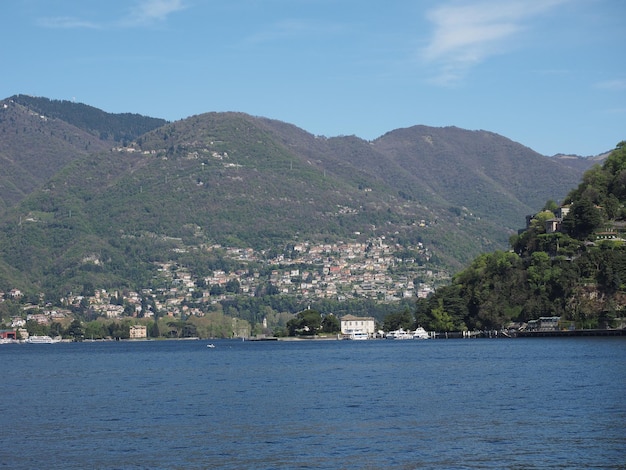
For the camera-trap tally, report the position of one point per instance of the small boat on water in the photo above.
(40, 339)
(210, 345)
(420, 333)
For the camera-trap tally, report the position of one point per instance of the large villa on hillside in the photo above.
(555, 225)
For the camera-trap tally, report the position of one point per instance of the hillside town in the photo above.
(374, 269)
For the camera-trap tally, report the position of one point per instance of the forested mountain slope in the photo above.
(489, 174)
(120, 127)
(96, 211)
(33, 147)
(38, 137)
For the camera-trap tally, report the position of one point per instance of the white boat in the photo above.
(211, 345)
(399, 334)
(420, 333)
(359, 335)
(40, 339)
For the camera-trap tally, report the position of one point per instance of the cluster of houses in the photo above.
(338, 271)
(310, 271)
(21, 334)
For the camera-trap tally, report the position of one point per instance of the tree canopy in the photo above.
(576, 271)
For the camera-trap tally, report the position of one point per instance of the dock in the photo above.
(570, 333)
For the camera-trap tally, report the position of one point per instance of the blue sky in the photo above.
(549, 74)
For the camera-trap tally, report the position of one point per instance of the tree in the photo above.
(583, 219)
(422, 312)
(95, 330)
(233, 286)
(119, 330)
(75, 331)
(176, 328)
(528, 241)
(331, 324)
(35, 328)
(154, 331)
(539, 272)
(306, 323)
(397, 320)
(441, 318)
(189, 330)
(216, 290)
(129, 309)
(56, 329)
(88, 289)
(551, 206)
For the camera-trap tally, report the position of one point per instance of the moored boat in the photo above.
(40, 339)
(358, 335)
(420, 333)
(399, 334)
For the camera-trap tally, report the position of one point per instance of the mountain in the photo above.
(478, 179)
(34, 147)
(583, 163)
(39, 136)
(121, 127)
(91, 208)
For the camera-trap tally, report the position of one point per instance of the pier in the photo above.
(570, 333)
(527, 334)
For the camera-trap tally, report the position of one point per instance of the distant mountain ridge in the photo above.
(75, 193)
(576, 161)
(120, 127)
(39, 136)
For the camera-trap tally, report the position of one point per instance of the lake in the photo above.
(448, 404)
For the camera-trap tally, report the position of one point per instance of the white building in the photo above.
(138, 331)
(351, 324)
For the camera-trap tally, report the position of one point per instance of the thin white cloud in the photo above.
(294, 28)
(612, 85)
(468, 33)
(151, 11)
(143, 13)
(67, 22)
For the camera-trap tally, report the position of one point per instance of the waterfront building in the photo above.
(351, 324)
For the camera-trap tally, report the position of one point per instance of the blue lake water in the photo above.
(453, 404)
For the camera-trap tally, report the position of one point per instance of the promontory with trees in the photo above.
(569, 262)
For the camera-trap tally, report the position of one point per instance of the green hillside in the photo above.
(570, 262)
(105, 217)
(38, 137)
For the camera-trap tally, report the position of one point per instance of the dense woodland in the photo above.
(123, 127)
(578, 273)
